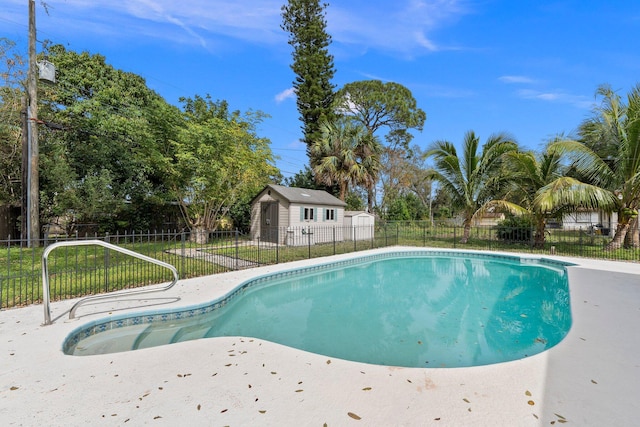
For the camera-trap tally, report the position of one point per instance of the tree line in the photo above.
(116, 154)
(599, 168)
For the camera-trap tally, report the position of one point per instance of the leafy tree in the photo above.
(240, 213)
(404, 173)
(107, 137)
(11, 75)
(303, 179)
(377, 105)
(441, 206)
(473, 179)
(219, 162)
(398, 210)
(347, 155)
(608, 154)
(93, 198)
(417, 208)
(354, 201)
(113, 151)
(406, 207)
(313, 66)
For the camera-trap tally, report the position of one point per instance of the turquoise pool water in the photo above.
(412, 310)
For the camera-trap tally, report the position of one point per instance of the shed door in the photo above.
(269, 222)
(364, 229)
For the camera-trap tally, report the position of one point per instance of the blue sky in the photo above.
(527, 67)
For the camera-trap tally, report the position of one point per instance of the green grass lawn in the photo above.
(85, 270)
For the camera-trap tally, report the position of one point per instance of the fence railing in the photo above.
(89, 270)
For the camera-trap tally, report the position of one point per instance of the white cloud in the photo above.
(516, 79)
(285, 94)
(425, 42)
(558, 97)
(402, 26)
(199, 22)
(161, 15)
(549, 96)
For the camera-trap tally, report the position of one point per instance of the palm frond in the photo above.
(502, 206)
(586, 161)
(567, 192)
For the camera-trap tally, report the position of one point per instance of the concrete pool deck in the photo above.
(592, 377)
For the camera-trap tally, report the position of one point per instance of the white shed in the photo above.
(359, 225)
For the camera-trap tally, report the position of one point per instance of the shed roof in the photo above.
(305, 195)
(356, 213)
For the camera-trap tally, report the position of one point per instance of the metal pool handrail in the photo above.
(45, 276)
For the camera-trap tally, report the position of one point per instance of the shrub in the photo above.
(515, 229)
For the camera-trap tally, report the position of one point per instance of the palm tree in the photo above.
(369, 152)
(543, 188)
(608, 154)
(346, 154)
(473, 179)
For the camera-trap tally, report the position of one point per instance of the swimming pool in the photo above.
(414, 309)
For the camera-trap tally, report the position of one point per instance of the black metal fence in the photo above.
(86, 270)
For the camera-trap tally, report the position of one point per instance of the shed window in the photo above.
(308, 214)
(329, 214)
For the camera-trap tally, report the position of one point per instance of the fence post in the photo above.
(386, 243)
(278, 252)
(455, 237)
(107, 258)
(258, 238)
(309, 241)
(532, 241)
(397, 233)
(490, 236)
(237, 250)
(372, 231)
(580, 241)
(334, 239)
(8, 269)
(183, 252)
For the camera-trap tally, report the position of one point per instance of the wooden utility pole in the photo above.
(33, 187)
(24, 121)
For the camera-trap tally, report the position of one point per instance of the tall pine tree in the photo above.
(305, 22)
